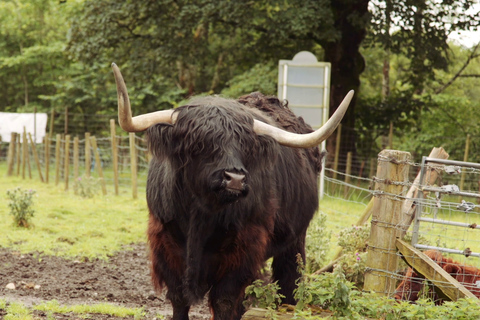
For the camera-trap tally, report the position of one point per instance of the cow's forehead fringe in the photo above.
(216, 100)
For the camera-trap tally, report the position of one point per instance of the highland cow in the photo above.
(231, 184)
(413, 284)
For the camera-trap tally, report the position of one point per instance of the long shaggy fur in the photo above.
(205, 238)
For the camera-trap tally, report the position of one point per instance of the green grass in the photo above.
(70, 226)
(101, 308)
(17, 310)
(341, 214)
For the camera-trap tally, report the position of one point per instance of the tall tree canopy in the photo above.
(171, 49)
(178, 48)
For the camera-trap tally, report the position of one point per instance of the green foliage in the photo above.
(261, 77)
(262, 295)
(21, 206)
(328, 291)
(354, 242)
(85, 186)
(317, 242)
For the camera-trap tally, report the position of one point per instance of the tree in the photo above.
(31, 52)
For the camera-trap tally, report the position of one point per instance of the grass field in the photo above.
(71, 226)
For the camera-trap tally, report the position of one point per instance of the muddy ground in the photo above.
(123, 280)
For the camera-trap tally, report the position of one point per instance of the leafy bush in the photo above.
(85, 187)
(20, 204)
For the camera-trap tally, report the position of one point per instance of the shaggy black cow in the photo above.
(226, 190)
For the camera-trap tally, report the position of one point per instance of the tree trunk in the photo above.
(351, 19)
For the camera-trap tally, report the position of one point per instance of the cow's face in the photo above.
(216, 152)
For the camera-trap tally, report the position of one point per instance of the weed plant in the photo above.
(21, 206)
(85, 186)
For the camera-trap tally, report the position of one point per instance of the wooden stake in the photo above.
(337, 151)
(47, 157)
(98, 164)
(392, 178)
(76, 158)
(11, 154)
(57, 159)
(425, 266)
(67, 160)
(408, 207)
(35, 155)
(19, 153)
(114, 154)
(88, 160)
(465, 159)
(24, 152)
(133, 164)
(348, 172)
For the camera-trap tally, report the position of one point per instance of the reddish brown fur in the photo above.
(162, 242)
(413, 283)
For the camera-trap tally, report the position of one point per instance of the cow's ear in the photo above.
(452, 268)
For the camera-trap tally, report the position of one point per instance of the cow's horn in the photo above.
(307, 140)
(138, 123)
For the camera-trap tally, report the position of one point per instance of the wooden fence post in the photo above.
(98, 164)
(391, 182)
(337, 151)
(67, 160)
(35, 155)
(465, 159)
(114, 154)
(88, 162)
(348, 172)
(11, 153)
(19, 153)
(76, 158)
(47, 157)
(133, 164)
(57, 159)
(24, 152)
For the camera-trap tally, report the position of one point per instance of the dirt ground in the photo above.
(123, 280)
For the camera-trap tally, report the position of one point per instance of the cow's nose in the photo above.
(234, 181)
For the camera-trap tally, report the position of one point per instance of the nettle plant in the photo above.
(21, 206)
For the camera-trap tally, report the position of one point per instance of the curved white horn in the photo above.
(138, 123)
(307, 140)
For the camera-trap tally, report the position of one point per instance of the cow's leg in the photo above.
(285, 268)
(226, 297)
(166, 258)
(180, 306)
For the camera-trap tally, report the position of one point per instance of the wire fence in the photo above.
(439, 218)
(449, 206)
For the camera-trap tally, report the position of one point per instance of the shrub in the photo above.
(20, 204)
